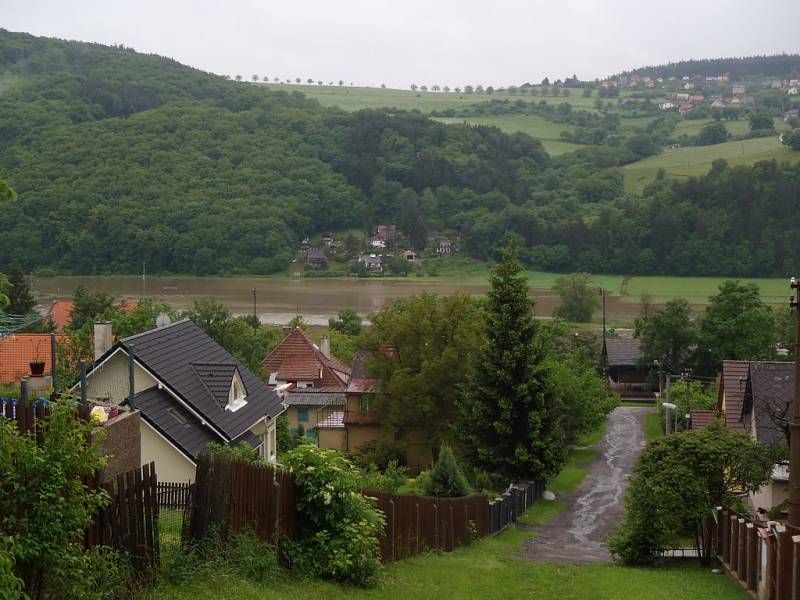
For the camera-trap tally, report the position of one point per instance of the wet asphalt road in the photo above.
(578, 534)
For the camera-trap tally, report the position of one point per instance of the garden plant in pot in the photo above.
(37, 365)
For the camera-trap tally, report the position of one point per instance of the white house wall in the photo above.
(171, 465)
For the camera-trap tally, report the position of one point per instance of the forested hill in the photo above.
(120, 158)
(747, 67)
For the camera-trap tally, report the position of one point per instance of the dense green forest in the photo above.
(120, 158)
(747, 67)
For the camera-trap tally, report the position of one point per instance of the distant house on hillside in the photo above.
(666, 106)
(738, 88)
(718, 103)
(793, 91)
(316, 257)
(696, 98)
(685, 108)
(387, 233)
(444, 247)
(376, 243)
(682, 96)
(791, 114)
(190, 392)
(372, 262)
(412, 257)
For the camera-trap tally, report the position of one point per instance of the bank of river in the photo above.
(280, 299)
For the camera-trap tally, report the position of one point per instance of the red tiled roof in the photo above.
(61, 312)
(301, 355)
(703, 418)
(18, 350)
(732, 388)
(360, 382)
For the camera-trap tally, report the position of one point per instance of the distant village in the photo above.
(386, 250)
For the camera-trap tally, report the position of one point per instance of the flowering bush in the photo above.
(338, 526)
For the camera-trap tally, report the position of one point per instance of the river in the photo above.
(280, 299)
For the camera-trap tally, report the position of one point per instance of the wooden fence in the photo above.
(506, 509)
(232, 495)
(763, 555)
(170, 494)
(130, 521)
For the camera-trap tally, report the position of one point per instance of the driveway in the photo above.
(578, 534)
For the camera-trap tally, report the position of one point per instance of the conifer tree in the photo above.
(21, 301)
(446, 479)
(510, 424)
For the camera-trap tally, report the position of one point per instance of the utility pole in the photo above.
(794, 426)
(255, 313)
(686, 373)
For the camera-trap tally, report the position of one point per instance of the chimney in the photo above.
(102, 338)
(325, 347)
(286, 331)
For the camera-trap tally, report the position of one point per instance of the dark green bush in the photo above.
(446, 479)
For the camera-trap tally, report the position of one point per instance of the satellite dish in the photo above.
(163, 320)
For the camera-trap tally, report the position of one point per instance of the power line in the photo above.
(12, 323)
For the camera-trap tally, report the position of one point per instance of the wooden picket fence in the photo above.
(233, 495)
(171, 494)
(764, 556)
(130, 521)
(506, 509)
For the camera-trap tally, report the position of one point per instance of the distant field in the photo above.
(697, 289)
(538, 127)
(357, 98)
(742, 126)
(684, 162)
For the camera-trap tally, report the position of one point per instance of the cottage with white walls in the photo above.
(190, 392)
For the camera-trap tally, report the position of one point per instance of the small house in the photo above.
(791, 114)
(412, 257)
(316, 257)
(666, 106)
(444, 248)
(793, 91)
(622, 358)
(377, 243)
(386, 233)
(738, 88)
(371, 261)
(299, 361)
(189, 391)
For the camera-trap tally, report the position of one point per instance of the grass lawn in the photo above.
(652, 427)
(697, 161)
(698, 289)
(487, 569)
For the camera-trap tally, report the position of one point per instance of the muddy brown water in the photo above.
(278, 300)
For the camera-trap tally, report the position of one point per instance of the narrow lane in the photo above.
(579, 533)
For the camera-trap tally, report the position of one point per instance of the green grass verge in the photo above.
(652, 427)
(489, 568)
(698, 289)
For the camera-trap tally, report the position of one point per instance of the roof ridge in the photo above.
(149, 331)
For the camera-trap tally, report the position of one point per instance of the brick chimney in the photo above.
(103, 340)
(325, 347)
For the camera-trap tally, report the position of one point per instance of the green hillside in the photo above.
(121, 158)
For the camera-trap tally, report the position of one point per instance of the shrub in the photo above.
(677, 482)
(242, 451)
(338, 527)
(391, 479)
(44, 507)
(380, 454)
(445, 479)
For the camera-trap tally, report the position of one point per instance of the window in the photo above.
(237, 396)
(302, 414)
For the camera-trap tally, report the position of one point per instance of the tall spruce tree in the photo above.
(21, 301)
(509, 422)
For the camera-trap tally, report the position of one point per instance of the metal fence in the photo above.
(506, 509)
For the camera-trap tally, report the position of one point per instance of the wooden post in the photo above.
(724, 535)
(417, 505)
(795, 575)
(53, 369)
(394, 511)
(741, 560)
(83, 383)
(734, 546)
(752, 556)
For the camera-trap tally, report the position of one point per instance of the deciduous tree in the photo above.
(579, 297)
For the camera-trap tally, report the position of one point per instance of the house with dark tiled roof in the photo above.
(765, 414)
(622, 358)
(190, 392)
(731, 393)
(316, 257)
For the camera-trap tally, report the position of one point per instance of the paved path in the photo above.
(578, 534)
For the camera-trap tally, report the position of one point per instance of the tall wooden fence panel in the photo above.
(235, 495)
(130, 521)
(763, 556)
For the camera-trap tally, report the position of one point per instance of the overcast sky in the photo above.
(445, 42)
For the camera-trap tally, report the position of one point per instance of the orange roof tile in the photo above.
(61, 311)
(301, 356)
(18, 350)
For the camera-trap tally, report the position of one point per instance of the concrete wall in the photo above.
(171, 465)
(123, 444)
(110, 380)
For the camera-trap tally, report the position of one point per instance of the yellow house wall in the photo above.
(171, 465)
(313, 417)
(110, 380)
(335, 439)
(359, 434)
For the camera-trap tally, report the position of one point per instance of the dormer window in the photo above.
(237, 397)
